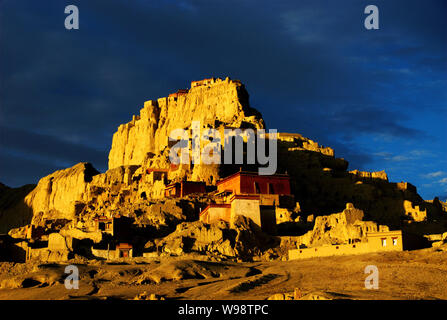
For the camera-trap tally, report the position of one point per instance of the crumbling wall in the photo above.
(339, 228)
(415, 212)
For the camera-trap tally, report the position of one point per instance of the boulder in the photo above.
(76, 233)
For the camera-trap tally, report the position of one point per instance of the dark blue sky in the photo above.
(378, 97)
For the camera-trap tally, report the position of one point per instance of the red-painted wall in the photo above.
(189, 187)
(245, 183)
(231, 184)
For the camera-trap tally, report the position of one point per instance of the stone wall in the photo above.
(373, 243)
(245, 207)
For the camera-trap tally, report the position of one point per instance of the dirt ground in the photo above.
(420, 274)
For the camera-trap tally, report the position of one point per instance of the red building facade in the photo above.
(181, 189)
(252, 183)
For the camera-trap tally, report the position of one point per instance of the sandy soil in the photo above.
(418, 274)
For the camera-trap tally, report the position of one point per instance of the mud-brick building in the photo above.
(216, 212)
(372, 242)
(241, 205)
(250, 195)
(104, 224)
(114, 251)
(252, 183)
(183, 188)
(118, 227)
(124, 250)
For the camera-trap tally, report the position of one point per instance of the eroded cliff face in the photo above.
(214, 103)
(55, 195)
(338, 228)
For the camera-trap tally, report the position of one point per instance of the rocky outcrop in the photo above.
(339, 228)
(381, 175)
(415, 212)
(214, 103)
(199, 237)
(322, 185)
(56, 194)
(75, 233)
(245, 240)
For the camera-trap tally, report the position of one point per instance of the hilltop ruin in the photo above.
(143, 205)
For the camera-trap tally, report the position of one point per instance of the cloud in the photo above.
(399, 158)
(408, 156)
(433, 174)
(383, 154)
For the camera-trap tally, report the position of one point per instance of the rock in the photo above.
(76, 233)
(47, 255)
(297, 294)
(174, 270)
(58, 242)
(437, 244)
(277, 296)
(150, 246)
(145, 296)
(338, 228)
(56, 194)
(199, 237)
(316, 296)
(219, 104)
(283, 215)
(245, 240)
(414, 211)
(118, 175)
(18, 233)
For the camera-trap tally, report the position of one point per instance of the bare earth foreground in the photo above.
(420, 274)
